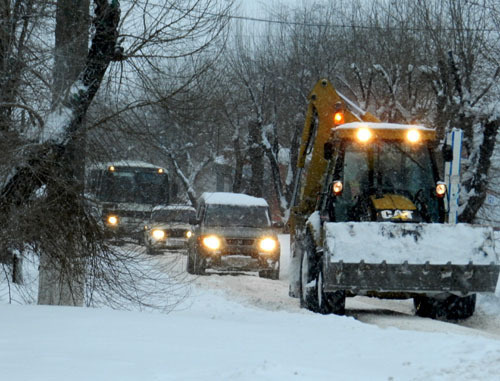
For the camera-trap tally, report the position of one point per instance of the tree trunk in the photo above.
(72, 38)
(238, 168)
(61, 276)
(63, 235)
(256, 156)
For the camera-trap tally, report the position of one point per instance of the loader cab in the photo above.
(385, 178)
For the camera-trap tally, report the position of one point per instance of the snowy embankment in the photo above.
(242, 328)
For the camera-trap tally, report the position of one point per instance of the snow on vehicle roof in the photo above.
(383, 126)
(228, 198)
(173, 207)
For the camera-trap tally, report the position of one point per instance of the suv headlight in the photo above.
(211, 242)
(158, 234)
(268, 244)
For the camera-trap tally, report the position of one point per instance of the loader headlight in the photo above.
(112, 220)
(363, 135)
(413, 136)
(440, 189)
(158, 234)
(337, 187)
(211, 242)
(268, 244)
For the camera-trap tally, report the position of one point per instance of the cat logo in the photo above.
(397, 214)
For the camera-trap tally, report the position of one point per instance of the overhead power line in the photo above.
(345, 26)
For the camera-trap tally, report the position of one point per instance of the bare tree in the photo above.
(464, 77)
(44, 190)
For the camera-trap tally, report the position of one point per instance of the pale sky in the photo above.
(256, 8)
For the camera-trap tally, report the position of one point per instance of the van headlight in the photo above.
(268, 244)
(112, 220)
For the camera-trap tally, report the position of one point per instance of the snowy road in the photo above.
(243, 328)
(249, 289)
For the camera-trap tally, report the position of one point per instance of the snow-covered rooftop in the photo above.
(227, 198)
(173, 207)
(124, 163)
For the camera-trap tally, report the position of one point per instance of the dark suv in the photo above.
(233, 231)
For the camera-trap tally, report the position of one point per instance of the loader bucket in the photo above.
(413, 258)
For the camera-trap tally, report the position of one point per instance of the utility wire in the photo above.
(328, 25)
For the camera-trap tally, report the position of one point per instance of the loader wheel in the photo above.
(452, 308)
(329, 302)
(308, 275)
(461, 307)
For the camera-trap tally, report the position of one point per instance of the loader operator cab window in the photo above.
(385, 168)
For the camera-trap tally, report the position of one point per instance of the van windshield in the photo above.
(144, 187)
(236, 215)
(173, 215)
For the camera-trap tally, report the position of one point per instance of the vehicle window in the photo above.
(235, 215)
(387, 167)
(131, 186)
(173, 215)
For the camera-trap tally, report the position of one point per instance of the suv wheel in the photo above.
(270, 274)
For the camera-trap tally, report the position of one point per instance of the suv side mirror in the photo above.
(278, 225)
(447, 153)
(193, 221)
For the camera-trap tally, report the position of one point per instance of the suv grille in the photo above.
(239, 242)
(177, 233)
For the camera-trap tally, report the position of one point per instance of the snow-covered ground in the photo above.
(246, 328)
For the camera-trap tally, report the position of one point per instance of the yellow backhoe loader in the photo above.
(370, 217)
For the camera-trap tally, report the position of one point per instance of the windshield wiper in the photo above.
(409, 156)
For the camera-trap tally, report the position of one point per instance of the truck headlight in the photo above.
(337, 187)
(211, 242)
(268, 244)
(189, 234)
(364, 134)
(158, 234)
(413, 136)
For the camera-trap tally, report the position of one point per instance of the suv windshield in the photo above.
(173, 215)
(235, 215)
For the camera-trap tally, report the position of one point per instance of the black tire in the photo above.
(308, 274)
(452, 308)
(190, 263)
(151, 251)
(329, 302)
(195, 264)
